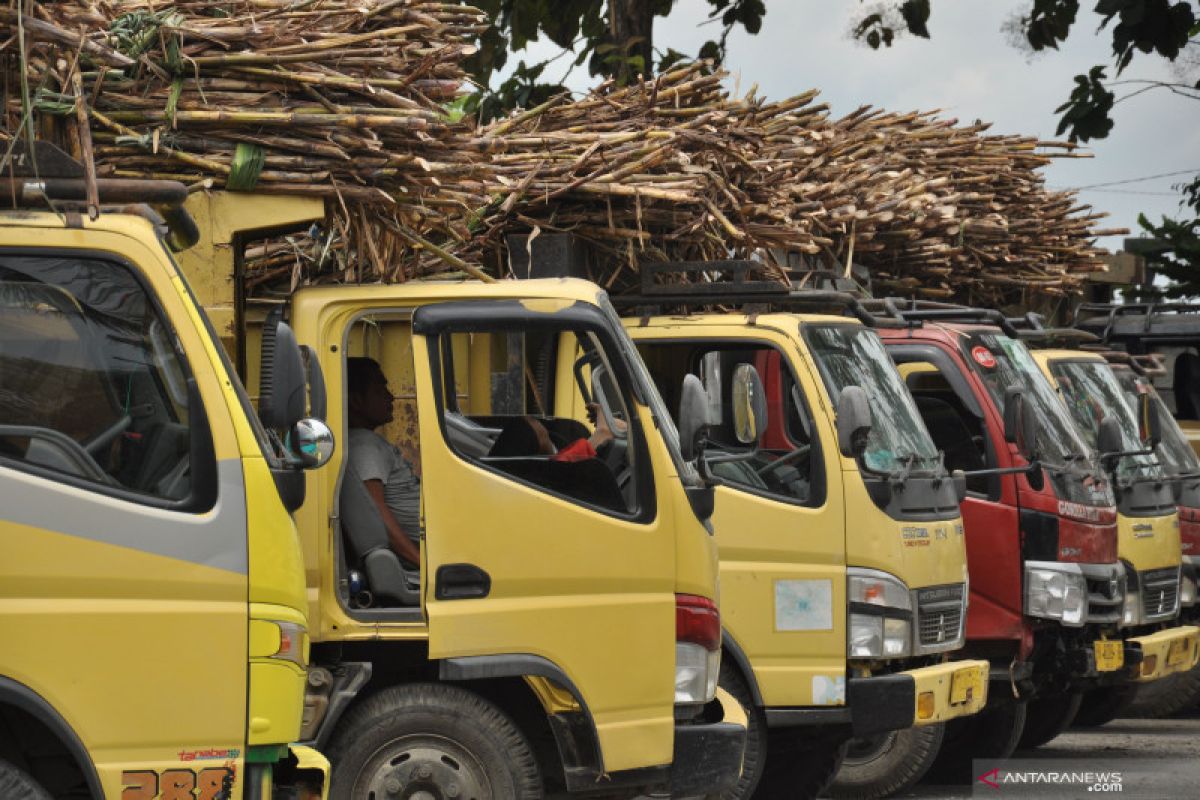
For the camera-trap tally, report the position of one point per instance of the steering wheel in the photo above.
(105, 437)
(783, 460)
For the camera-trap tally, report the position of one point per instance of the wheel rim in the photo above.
(422, 767)
(864, 749)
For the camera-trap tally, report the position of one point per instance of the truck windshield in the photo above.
(851, 355)
(646, 388)
(1091, 392)
(1174, 453)
(1005, 363)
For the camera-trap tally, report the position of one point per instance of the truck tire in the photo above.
(887, 764)
(1167, 696)
(801, 762)
(435, 735)
(15, 784)
(1101, 706)
(756, 728)
(992, 733)
(1047, 717)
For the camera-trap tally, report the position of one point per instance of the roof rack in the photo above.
(730, 282)
(1030, 329)
(44, 177)
(1159, 322)
(914, 312)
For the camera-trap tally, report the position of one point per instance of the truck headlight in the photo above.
(880, 618)
(1055, 590)
(697, 648)
(1131, 611)
(1187, 586)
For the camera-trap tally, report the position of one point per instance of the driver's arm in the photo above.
(399, 540)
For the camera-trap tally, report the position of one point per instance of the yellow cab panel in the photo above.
(125, 457)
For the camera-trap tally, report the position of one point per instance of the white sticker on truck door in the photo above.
(804, 605)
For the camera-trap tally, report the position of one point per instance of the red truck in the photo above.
(1046, 586)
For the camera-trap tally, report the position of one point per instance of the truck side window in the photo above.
(92, 383)
(787, 464)
(956, 432)
(542, 406)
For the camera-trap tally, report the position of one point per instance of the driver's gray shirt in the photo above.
(376, 459)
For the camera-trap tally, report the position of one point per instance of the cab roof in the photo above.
(740, 319)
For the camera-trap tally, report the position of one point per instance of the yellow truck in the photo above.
(843, 566)
(152, 602)
(1148, 537)
(561, 630)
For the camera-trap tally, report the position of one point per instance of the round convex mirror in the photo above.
(312, 442)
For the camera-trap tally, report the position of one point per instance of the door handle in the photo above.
(461, 582)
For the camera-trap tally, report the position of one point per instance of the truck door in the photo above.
(957, 423)
(536, 564)
(777, 516)
(123, 579)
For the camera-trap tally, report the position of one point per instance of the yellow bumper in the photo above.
(732, 709)
(950, 690)
(1167, 652)
(313, 771)
(917, 697)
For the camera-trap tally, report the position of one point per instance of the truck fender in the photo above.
(517, 665)
(21, 696)
(731, 648)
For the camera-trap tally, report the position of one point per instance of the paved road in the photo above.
(1139, 739)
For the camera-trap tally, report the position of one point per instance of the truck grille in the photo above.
(1160, 593)
(1106, 591)
(940, 617)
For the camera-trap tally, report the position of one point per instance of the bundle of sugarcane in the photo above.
(945, 211)
(676, 169)
(673, 168)
(337, 98)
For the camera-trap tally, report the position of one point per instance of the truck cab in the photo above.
(1180, 465)
(843, 564)
(561, 629)
(152, 599)
(1147, 522)
(1047, 589)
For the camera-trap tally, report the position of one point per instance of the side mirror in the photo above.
(693, 417)
(1108, 436)
(960, 484)
(1149, 423)
(1020, 428)
(311, 442)
(749, 404)
(283, 377)
(853, 421)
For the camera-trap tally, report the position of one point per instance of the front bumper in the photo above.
(1166, 652)
(917, 697)
(708, 756)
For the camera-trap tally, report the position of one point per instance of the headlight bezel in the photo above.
(1050, 583)
(879, 622)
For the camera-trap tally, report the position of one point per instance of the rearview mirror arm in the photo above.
(1032, 466)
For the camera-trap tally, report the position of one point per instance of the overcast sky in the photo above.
(969, 70)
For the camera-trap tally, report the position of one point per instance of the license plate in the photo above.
(1178, 652)
(964, 685)
(1110, 656)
